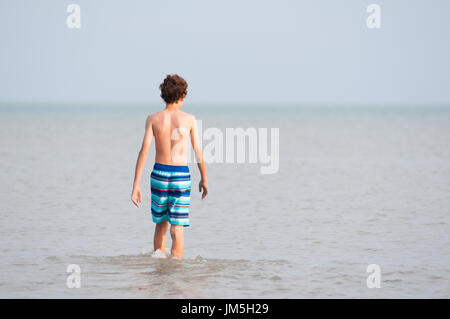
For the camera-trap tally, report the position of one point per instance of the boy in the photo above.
(170, 178)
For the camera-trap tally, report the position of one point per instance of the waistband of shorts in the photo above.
(171, 168)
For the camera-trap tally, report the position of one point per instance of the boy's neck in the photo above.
(173, 106)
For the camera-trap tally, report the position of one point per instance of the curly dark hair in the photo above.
(173, 88)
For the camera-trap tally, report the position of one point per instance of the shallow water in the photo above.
(356, 186)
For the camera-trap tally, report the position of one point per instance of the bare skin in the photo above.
(171, 129)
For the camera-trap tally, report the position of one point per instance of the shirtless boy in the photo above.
(170, 179)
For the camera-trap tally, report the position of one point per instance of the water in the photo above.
(356, 186)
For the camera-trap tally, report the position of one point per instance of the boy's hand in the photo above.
(203, 185)
(136, 196)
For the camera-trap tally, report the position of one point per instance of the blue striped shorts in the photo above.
(171, 193)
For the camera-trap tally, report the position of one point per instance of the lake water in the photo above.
(356, 186)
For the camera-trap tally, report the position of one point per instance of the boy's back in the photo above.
(171, 129)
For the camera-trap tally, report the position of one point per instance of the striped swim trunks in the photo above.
(171, 193)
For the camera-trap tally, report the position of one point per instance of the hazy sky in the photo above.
(317, 51)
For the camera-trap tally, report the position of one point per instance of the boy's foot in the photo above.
(159, 254)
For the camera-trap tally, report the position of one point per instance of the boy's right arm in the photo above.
(196, 145)
(136, 194)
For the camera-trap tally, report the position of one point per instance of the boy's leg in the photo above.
(176, 232)
(159, 239)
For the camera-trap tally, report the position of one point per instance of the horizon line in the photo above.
(236, 103)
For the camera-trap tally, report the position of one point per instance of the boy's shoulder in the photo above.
(154, 116)
(190, 119)
(188, 115)
(149, 118)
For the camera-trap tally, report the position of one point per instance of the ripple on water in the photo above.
(199, 277)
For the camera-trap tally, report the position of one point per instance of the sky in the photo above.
(229, 51)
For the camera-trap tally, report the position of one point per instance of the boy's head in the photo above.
(173, 88)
